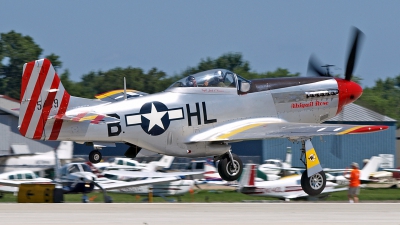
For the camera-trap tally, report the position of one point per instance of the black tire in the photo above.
(95, 156)
(226, 169)
(313, 185)
(108, 199)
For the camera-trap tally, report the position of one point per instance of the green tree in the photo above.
(383, 98)
(15, 51)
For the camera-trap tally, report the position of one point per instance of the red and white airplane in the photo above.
(197, 116)
(286, 188)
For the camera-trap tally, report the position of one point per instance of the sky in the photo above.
(173, 35)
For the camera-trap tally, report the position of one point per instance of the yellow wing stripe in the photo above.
(238, 130)
(349, 130)
(88, 118)
(107, 94)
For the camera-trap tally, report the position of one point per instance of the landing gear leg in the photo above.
(85, 198)
(107, 199)
(313, 180)
(230, 166)
(95, 156)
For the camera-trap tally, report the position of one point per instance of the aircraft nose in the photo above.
(349, 91)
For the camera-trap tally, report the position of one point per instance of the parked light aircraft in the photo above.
(38, 161)
(197, 116)
(164, 189)
(210, 175)
(273, 167)
(285, 188)
(127, 163)
(10, 181)
(78, 178)
(365, 173)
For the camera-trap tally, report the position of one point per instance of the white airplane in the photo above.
(210, 175)
(286, 188)
(38, 161)
(78, 178)
(130, 164)
(10, 181)
(178, 187)
(366, 173)
(197, 116)
(274, 166)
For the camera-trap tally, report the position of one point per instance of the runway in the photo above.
(200, 213)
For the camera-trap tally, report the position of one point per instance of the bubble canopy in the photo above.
(210, 78)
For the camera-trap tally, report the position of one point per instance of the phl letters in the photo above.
(197, 114)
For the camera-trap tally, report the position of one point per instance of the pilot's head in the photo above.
(191, 81)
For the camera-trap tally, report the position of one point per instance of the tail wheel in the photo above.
(313, 185)
(95, 156)
(230, 170)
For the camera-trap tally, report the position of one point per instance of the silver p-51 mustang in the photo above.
(199, 115)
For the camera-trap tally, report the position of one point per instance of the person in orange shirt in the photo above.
(354, 184)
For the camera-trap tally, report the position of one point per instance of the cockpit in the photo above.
(210, 78)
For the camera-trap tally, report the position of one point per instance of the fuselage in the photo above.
(164, 122)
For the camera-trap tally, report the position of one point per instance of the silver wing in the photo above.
(264, 128)
(134, 174)
(123, 184)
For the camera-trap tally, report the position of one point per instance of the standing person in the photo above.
(354, 184)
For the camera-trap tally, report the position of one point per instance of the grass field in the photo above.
(366, 194)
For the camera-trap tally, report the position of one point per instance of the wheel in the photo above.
(313, 185)
(95, 156)
(108, 199)
(226, 168)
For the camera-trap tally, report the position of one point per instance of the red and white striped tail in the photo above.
(247, 178)
(42, 95)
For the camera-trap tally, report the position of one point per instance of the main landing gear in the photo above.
(314, 184)
(95, 156)
(230, 166)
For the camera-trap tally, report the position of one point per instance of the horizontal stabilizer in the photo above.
(92, 117)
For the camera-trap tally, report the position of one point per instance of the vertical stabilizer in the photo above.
(164, 162)
(42, 95)
(372, 166)
(288, 160)
(209, 167)
(247, 178)
(65, 150)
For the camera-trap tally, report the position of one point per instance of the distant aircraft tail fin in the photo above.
(289, 156)
(42, 95)
(372, 166)
(209, 167)
(94, 169)
(247, 178)
(164, 162)
(65, 150)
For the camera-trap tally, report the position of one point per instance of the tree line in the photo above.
(17, 49)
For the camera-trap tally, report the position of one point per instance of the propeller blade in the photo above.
(357, 34)
(314, 67)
